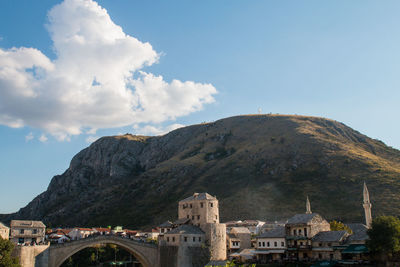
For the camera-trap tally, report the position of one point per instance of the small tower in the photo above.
(367, 206)
(308, 206)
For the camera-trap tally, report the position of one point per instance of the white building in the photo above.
(185, 235)
(80, 233)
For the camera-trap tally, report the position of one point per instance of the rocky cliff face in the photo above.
(259, 167)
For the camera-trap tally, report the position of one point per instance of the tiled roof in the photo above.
(22, 223)
(359, 232)
(232, 236)
(186, 229)
(181, 221)
(166, 224)
(274, 233)
(84, 229)
(198, 196)
(102, 229)
(330, 236)
(240, 230)
(302, 218)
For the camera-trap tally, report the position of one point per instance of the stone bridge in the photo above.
(146, 253)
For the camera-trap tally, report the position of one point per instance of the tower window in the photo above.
(201, 204)
(211, 204)
(198, 217)
(194, 239)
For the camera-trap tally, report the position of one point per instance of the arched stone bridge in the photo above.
(146, 253)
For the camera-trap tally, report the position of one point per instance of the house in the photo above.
(356, 250)
(271, 245)
(165, 227)
(254, 226)
(327, 245)
(58, 236)
(102, 231)
(80, 233)
(267, 226)
(185, 235)
(300, 229)
(239, 238)
(24, 232)
(4, 231)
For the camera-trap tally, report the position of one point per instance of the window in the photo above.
(301, 243)
(282, 244)
(275, 244)
(167, 239)
(190, 205)
(216, 217)
(194, 239)
(294, 232)
(267, 244)
(319, 256)
(185, 238)
(173, 239)
(299, 231)
(162, 230)
(329, 244)
(320, 244)
(21, 240)
(263, 244)
(199, 239)
(198, 217)
(305, 231)
(192, 217)
(201, 204)
(211, 204)
(187, 216)
(34, 231)
(21, 231)
(259, 244)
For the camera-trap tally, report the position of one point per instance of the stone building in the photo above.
(328, 245)
(185, 235)
(23, 232)
(271, 245)
(4, 231)
(300, 229)
(203, 211)
(239, 238)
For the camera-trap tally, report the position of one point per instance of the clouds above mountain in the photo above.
(91, 84)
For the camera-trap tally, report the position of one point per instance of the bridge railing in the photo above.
(104, 237)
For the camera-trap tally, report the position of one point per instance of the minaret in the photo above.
(367, 206)
(308, 206)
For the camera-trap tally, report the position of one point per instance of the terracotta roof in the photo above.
(330, 236)
(102, 229)
(23, 223)
(274, 233)
(84, 229)
(199, 196)
(186, 229)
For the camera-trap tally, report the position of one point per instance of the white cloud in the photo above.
(29, 137)
(90, 85)
(153, 130)
(43, 138)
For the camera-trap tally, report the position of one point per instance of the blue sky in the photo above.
(335, 59)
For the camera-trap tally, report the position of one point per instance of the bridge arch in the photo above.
(146, 254)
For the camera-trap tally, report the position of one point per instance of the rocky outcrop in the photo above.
(260, 167)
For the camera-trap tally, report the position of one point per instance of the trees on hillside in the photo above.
(384, 237)
(6, 260)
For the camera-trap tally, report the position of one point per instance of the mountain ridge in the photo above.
(259, 166)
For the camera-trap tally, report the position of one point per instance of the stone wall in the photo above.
(27, 254)
(216, 239)
(168, 256)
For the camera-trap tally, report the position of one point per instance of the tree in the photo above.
(339, 226)
(384, 237)
(6, 260)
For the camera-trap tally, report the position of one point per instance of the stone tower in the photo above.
(308, 206)
(202, 209)
(367, 207)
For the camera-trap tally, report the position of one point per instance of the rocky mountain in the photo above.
(259, 167)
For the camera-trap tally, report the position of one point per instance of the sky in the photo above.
(75, 70)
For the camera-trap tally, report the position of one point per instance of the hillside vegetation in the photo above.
(259, 167)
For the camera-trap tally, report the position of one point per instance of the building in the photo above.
(271, 245)
(239, 238)
(185, 235)
(27, 232)
(254, 226)
(202, 210)
(102, 230)
(165, 227)
(300, 229)
(80, 233)
(4, 231)
(328, 245)
(267, 226)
